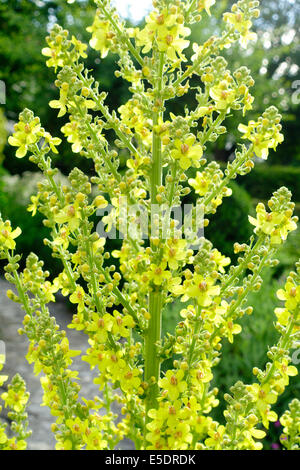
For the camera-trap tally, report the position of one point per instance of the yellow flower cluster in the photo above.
(275, 224)
(187, 153)
(101, 36)
(16, 400)
(165, 29)
(8, 236)
(264, 134)
(205, 4)
(132, 116)
(198, 287)
(241, 23)
(120, 305)
(290, 420)
(28, 132)
(58, 44)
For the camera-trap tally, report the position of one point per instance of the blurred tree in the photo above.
(29, 83)
(3, 133)
(273, 60)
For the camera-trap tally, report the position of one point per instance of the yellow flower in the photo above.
(80, 47)
(174, 252)
(63, 238)
(133, 116)
(263, 396)
(180, 437)
(130, 380)
(281, 233)
(275, 224)
(101, 326)
(201, 375)
(26, 134)
(78, 298)
(101, 241)
(52, 141)
(169, 41)
(48, 290)
(247, 101)
(172, 413)
(266, 221)
(267, 417)
(122, 324)
(285, 370)
(61, 104)
(70, 215)
(62, 282)
(70, 130)
(116, 364)
(223, 95)
(34, 205)
(205, 4)
(231, 329)
(283, 315)
(263, 134)
(101, 36)
(155, 24)
(220, 260)
(201, 183)
(216, 437)
(15, 399)
(163, 28)
(7, 235)
(158, 274)
(55, 54)
(173, 383)
(241, 25)
(203, 289)
(187, 153)
(290, 294)
(260, 146)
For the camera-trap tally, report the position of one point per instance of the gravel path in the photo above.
(40, 420)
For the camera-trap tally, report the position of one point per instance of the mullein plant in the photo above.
(119, 307)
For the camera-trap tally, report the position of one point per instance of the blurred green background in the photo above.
(274, 62)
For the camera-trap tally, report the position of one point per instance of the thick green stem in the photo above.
(152, 361)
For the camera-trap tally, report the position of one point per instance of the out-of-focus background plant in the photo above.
(274, 63)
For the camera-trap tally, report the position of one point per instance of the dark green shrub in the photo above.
(230, 223)
(264, 179)
(15, 195)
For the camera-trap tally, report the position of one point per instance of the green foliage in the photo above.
(23, 27)
(234, 209)
(3, 133)
(15, 195)
(264, 179)
(167, 410)
(273, 60)
(250, 347)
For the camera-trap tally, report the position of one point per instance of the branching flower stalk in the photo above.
(121, 297)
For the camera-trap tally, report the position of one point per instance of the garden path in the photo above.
(40, 420)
